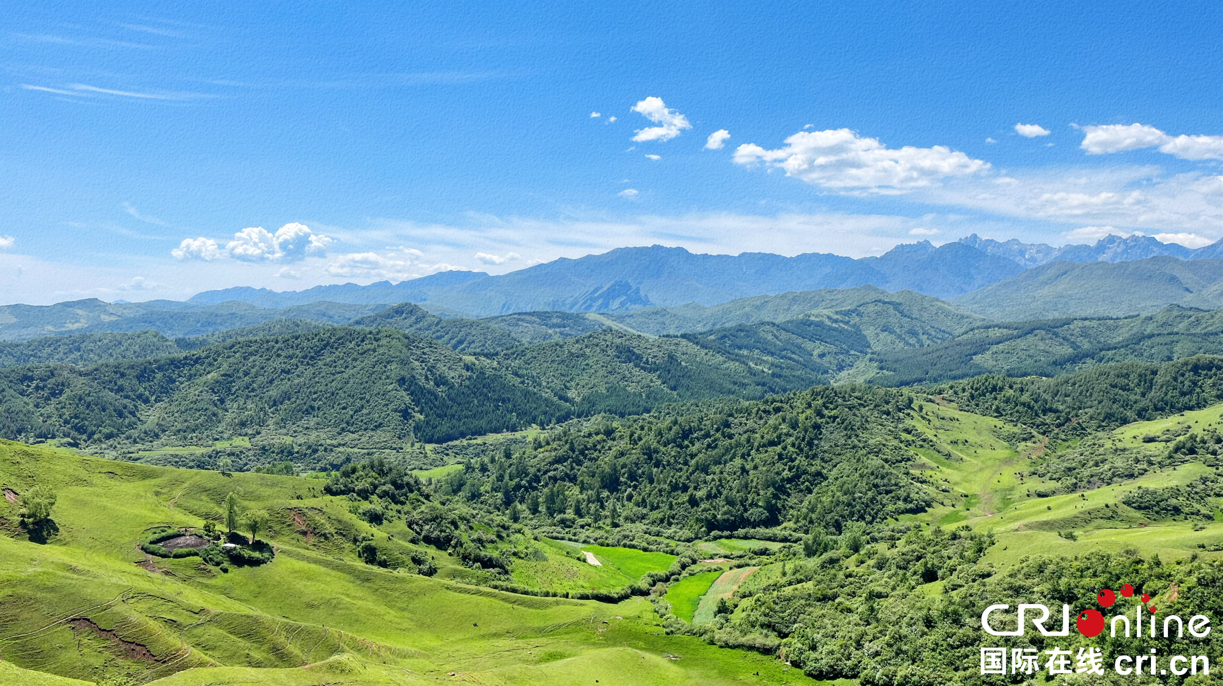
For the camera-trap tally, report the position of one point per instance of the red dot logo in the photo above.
(1146, 597)
(1106, 597)
(1152, 609)
(1127, 591)
(1090, 623)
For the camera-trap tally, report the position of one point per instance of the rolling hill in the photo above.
(1100, 289)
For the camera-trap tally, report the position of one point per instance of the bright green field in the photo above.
(315, 615)
(561, 572)
(685, 594)
(438, 472)
(632, 563)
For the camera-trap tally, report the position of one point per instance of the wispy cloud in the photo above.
(127, 207)
(83, 90)
(85, 42)
(154, 30)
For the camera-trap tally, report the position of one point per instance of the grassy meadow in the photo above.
(315, 615)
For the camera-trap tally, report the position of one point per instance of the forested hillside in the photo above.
(372, 388)
(1052, 347)
(463, 335)
(787, 460)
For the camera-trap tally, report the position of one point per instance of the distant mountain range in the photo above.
(634, 278)
(657, 290)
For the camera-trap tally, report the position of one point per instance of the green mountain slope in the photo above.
(463, 335)
(621, 373)
(541, 327)
(90, 605)
(86, 348)
(356, 386)
(1100, 289)
(873, 517)
(1048, 348)
(776, 308)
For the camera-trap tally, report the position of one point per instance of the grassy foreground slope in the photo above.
(90, 605)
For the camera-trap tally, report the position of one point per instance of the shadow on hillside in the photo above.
(42, 531)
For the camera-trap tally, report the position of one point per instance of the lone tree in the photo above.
(224, 465)
(233, 512)
(36, 504)
(255, 522)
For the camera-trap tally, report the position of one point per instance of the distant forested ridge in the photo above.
(1052, 347)
(367, 387)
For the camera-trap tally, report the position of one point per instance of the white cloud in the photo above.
(286, 273)
(670, 123)
(6, 242)
(197, 249)
(628, 193)
(595, 115)
(654, 157)
(296, 241)
(717, 139)
(252, 245)
(924, 232)
(611, 119)
(489, 258)
(1194, 148)
(140, 283)
(397, 264)
(1031, 130)
(1100, 140)
(840, 159)
(1189, 240)
(1095, 233)
(291, 243)
(990, 140)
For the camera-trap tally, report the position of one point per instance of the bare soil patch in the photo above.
(185, 541)
(129, 649)
(10, 495)
(302, 526)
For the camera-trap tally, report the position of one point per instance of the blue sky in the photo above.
(156, 150)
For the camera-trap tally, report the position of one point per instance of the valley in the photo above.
(807, 487)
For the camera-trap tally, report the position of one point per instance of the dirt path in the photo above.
(590, 558)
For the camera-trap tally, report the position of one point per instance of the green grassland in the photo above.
(561, 571)
(634, 564)
(986, 485)
(437, 472)
(685, 594)
(314, 615)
